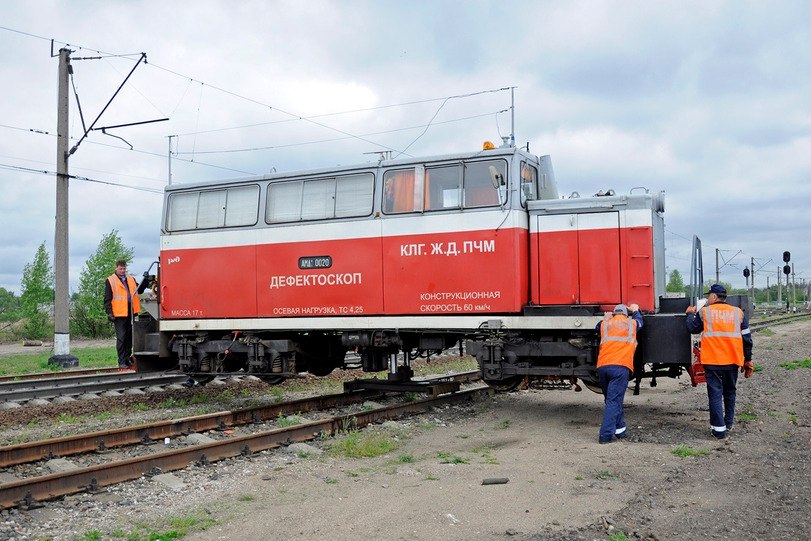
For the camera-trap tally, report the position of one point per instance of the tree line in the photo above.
(30, 316)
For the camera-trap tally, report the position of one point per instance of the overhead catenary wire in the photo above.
(77, 177)
(287, 145)
(349, 111)
(146, 152)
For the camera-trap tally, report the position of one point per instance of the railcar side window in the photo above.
(354, 195)
(442, 187)
(209, 209)
(182, 213)
(402, 190)
(242, 206)
(473, 184)
(529, 183)
(484, 183)
(319, 199)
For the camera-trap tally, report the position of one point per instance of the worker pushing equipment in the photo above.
(615, 364)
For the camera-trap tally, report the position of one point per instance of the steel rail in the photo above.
(55, 375)
(23, 453)
(27, 492)
(21, 391)
(789, 318)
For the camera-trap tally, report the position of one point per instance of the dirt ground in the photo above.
(561, 485)
(756, 484)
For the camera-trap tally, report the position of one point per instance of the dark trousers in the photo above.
(613, 382)
(722, 383)
(123, 340)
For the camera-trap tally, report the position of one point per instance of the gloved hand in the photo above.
(748, 369)
(110, 318)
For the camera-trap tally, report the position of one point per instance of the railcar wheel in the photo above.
(202, 380)
(592, 385)
(504, 385)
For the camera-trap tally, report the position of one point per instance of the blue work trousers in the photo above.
(613, 382)
(722, 383)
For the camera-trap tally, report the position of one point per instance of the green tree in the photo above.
(88, 316)
(675, 283)
(9, 305)
(37, 295)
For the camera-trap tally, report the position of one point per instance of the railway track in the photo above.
(780, 320)
(16, 392)
(28, 491)
(54, 375)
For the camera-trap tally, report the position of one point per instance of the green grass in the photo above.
(406, 459)
(765, 332)
(446, 458)
(618, 536)
(605, 475)
(245, 498)
(27, 363)
(284, 420)
(504, 424)
(794, 365)
(462, 365)
(683, 451)
(173, 527)
(331, 481)
(361, 445)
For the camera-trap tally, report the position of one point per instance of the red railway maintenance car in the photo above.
(287, 273)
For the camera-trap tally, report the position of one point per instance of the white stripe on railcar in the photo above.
(401, 323)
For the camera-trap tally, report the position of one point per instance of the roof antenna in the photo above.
(382, 155)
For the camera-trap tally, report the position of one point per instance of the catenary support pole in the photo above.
(62, 353)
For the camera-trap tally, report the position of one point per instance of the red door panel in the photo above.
(208, 282)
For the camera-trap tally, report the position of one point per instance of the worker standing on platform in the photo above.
(615, 364)
(726, 346)
(121, 303)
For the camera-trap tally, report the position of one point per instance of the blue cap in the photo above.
(718, 289)
(621, 309)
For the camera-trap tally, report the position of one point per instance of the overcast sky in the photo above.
(708, 101)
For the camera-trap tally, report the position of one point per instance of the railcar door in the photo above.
(579, 258)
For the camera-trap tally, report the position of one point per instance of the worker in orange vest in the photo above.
(615, 364)
(121, 303)
(726, 346)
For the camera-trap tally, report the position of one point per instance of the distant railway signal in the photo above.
(786, 258)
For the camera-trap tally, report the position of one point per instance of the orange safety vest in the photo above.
(721, 340)
(119, 304)
(617, 342)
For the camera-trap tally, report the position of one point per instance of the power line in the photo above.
(87, 169)
(86, 179)
(252, 149)
(162, 156)
(336, 113)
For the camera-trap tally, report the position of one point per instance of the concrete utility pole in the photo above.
(717, 268)
(779, 288)
(752, 292)
(793, 287)
(62, 353)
